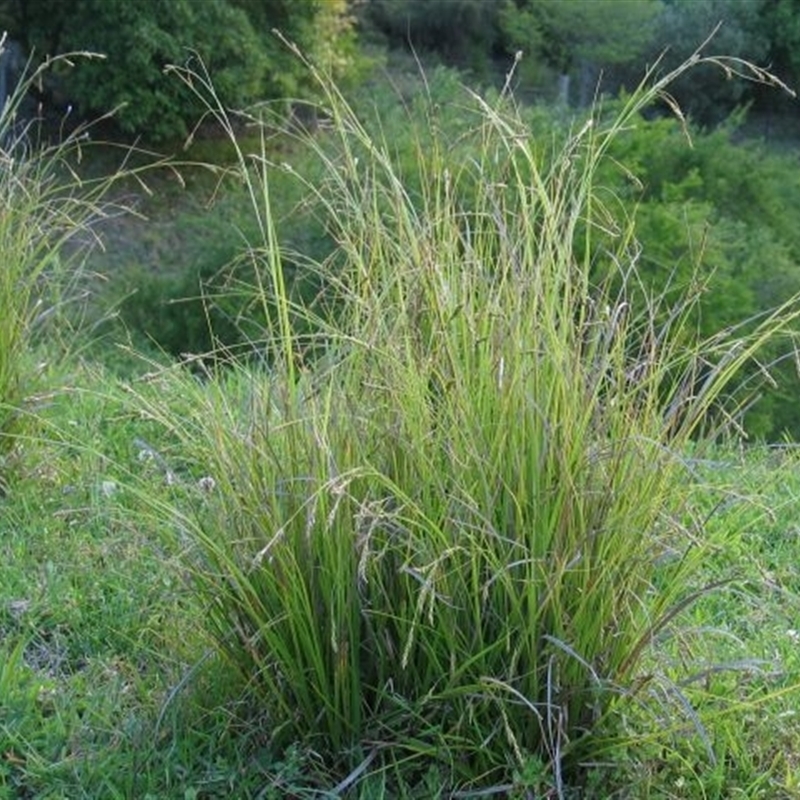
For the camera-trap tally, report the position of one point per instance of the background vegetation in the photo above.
(233, 38)
(722, 208)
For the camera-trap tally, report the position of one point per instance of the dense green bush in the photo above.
(233, 38)
(463, 32)
(561, 42)
(718, 215)
(740, 32)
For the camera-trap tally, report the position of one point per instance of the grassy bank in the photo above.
(457, 523)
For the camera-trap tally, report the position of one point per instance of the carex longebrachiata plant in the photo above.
(455, 531)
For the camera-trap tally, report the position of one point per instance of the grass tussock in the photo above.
(49, 214)
(46, 213)
(447, 515)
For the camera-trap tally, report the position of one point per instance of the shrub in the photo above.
(232, 36)
(738, 30)
(464, 32)
(718, 214)
(453, 536)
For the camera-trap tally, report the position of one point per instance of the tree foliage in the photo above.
(781, 23)
(738, 31)
(464, 32)
(234, 39)
(601, 31)
(602, 43)
(586, 35)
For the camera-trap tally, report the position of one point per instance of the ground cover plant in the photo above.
(456, 526)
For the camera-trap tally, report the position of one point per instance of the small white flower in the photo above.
(18, 607)
(793, 635)
(108, 488)
(207, 484)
